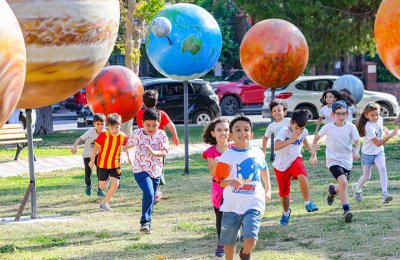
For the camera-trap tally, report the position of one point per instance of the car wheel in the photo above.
(202, 117)
(386, 110)
(229, 106)
(311, 114)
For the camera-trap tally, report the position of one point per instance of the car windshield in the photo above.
(235, 76)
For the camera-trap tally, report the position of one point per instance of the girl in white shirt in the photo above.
(371, 126)
(327, 99)
(350, 102)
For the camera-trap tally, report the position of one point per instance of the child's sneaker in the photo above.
(311, 207)
(285, 219)
(244, 256)
(145, 228)
(357, 195)
(386, 197)
(88, 190)
(104, 206)
(347, 216)
(220, 250)
(100, 193)
(331, 194)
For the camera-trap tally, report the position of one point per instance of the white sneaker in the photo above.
(357, 195)
(104, 206)
(386, 197)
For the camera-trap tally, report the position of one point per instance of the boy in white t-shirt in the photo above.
(90, 136)
(288, 163)
(340, 135)
(240, 170)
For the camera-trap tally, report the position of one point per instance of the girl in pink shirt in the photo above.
(216, 133)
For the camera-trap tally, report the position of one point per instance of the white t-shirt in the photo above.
(325, 112)
(89, 137)
(339, 148)
(275, 127)
(373, 130)
(287, 155)
(244, 165)
(351, 111)
(144, 161)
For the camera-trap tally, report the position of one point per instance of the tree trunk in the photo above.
(44, 121)
(133, 37)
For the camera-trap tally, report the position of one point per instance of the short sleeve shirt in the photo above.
(325, 112)
(351, 111)
(144, 161)
(339, 148)
(275, 127)
(373, 130)
(164, 119)
(110, 149)
(89, 137)
(287, 155)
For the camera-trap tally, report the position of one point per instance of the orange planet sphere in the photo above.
(273, 53)
(115, 89)
(67, 43)
(387, 25)
(12, 62)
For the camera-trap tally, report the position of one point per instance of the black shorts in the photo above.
(104, 174)
(337, 170)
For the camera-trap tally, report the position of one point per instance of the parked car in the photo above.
(77, 101)
(203, 103)
(306, 91)
(238, 93)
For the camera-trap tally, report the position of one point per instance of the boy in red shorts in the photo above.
(288, 163)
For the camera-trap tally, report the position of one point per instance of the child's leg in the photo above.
(283, 180)
(88, 172)
(218, 221)
(112, 189)
(251, 226)
(285, 203)
(231, 223)
(342, 187)
(148, 188)
(381, 165)
(230, 251)
(248, 245)
(304, 188)
(364, 177)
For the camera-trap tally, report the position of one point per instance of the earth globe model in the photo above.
(12, 62)
(161, 26)
(273, 53)
(352, 83)
(386, 32)
(192, 47)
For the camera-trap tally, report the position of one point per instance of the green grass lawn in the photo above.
(184, 224)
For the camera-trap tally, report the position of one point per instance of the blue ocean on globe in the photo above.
(192, 47)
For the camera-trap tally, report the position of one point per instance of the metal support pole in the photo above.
(186, 120)
(31, 164)
(272, 156)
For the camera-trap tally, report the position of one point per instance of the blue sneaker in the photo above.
(220, 251)
(100, 193)
(88, 190)
(311, 207)
(285, 219)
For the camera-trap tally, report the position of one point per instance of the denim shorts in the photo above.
(231, 223)
(367, 159)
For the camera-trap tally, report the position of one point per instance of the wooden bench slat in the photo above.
(12, 131)
(12, 136)
(12, 126)
(20, 141)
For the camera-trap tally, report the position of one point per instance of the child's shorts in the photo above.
(337, 170)
(104, 173)
(283, 178)
(231, 223)
(367, 159)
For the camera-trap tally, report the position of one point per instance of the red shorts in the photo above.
(283, 178)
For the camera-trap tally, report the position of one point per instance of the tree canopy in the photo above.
(332, 28)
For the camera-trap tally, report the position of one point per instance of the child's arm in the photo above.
(356, 151)
(74, 148)
(212, 165)
(279, 144)
(171, 127)
(267, 183)
(307, 145)
(386, 138)
(157, 153)
(318, 123)
(94, 153)
(125, 148)
(234, 182)
(314, 147)
(264, 144)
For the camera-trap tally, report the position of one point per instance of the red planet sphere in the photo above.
(273, 53)
(115, 89)
(386, 32)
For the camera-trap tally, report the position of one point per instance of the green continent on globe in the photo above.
(192, 44)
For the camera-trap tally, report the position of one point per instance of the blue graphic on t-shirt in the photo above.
(248, 170)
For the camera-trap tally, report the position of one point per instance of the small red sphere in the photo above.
(115, 89)
(273, 53)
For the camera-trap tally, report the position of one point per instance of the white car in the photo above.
(306, 91)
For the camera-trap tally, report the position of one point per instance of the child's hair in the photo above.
(275, 103)
(150, 98)
(299, 117)
(347, 97)
(151, 114)
(335, 93)
(207, 137)
(363, 118)
(99, 117)
(114, 119)
(240, 117)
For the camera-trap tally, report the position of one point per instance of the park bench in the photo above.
(15, 134)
